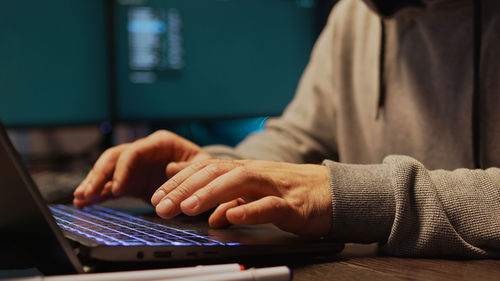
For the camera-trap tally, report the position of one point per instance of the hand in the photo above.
(296, 198)
(136, 169)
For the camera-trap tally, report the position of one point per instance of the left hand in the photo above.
(294, 197)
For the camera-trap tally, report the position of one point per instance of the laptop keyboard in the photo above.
(116, 228)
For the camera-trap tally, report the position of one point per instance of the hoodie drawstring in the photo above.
(476, 80)
(381, 82)
(476, 86)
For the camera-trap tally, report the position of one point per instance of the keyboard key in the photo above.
(116, 228)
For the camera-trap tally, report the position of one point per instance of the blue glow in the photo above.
(147, 26)
(115, 228)
(158, 227)
(262, 124)
(66, 220)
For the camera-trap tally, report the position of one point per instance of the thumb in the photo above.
(218, 218)
(270, 209)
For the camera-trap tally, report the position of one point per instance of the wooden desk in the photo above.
(361, 262)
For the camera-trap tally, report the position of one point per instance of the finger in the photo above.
(154, 148)
(218, 218)
(177, 180)
(175, 167)
(269, 209)
(196, 181)
(238, 182)
(82, 187)
(80, 203)
(106, 191)
(105, 194)
(102, 171)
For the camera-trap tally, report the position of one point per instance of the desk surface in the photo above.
(361, 262)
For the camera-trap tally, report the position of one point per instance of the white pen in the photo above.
(277, 273)
(152, 274)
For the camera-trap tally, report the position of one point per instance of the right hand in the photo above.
(136, 168)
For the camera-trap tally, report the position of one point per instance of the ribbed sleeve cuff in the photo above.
(362, 202)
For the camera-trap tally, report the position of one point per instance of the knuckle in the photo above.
(297, 202)
(135, 145)
(213, 169)
(105, 158)
(108, 152)
(274, 203)
(133, 151)
(174, 182)
(179, 189)
(170, 167)
(197, 165)
(182, 191)
(170, 170)
(209, 190)
(160, 134)
(121, 146)
(242, 171)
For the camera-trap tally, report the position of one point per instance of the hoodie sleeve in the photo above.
(408, 209)
(306, 132)
(412, 211)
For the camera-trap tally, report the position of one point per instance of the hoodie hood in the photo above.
(388, 8)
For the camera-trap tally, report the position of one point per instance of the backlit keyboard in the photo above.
(116, 228)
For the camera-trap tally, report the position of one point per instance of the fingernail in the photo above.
(159, 194)
(165, 207)
(191, 203)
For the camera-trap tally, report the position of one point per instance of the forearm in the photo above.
(419, 212)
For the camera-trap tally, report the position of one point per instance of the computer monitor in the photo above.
(209, 59)
(54, 65)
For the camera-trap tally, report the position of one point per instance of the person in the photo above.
(392, 137)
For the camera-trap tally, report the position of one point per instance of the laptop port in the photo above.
(140, 255)
(163, 254)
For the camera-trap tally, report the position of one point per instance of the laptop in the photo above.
(61, 239)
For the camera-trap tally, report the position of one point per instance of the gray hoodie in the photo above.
(404, 110)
